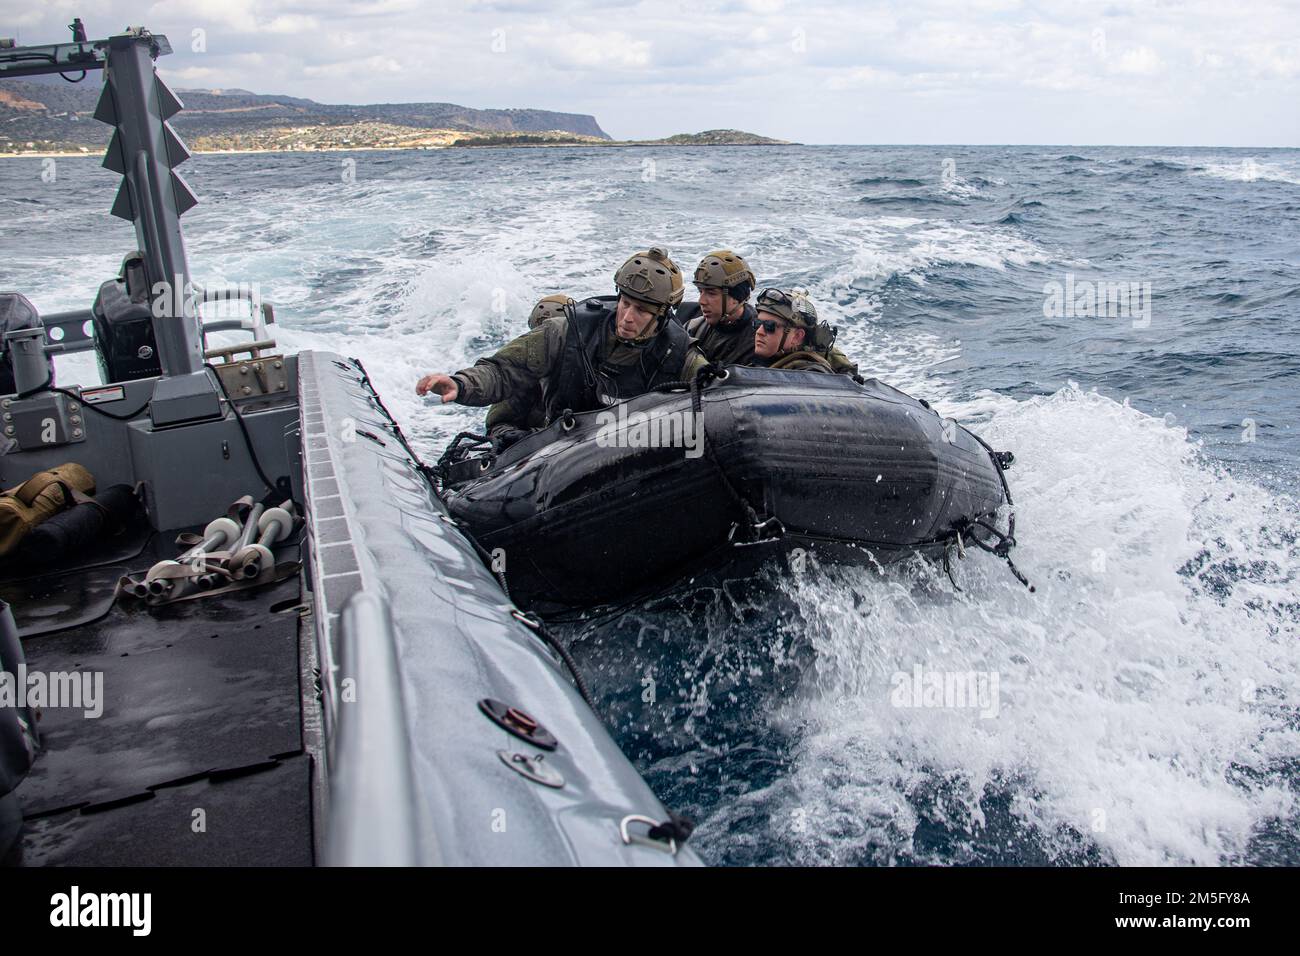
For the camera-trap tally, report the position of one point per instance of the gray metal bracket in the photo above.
(184, 398)
(42, 421)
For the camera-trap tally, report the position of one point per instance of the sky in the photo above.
(1159, 72)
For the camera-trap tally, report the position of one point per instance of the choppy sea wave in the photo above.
(1147, 704)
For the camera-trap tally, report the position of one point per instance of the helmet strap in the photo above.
(781, 349)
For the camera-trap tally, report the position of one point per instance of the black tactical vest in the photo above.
(584, 382)
(730, 343)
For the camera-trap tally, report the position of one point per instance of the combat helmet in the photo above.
(548, 307)
(725, 270)
(798, 310)
(793, 307)
(652, 278)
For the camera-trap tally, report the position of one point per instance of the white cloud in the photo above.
(1142, 61)
(1209, 61)
(291, 23)
(1062, 78)
(1272, 60)
(239, 15)
(371, 64)
(861, 77)
(999, 70)
(196, 78)
(595, 51)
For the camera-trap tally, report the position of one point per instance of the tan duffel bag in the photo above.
(41, 496)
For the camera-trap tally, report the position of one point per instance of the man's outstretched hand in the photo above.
(443, 385)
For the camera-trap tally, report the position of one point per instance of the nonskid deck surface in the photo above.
(198, 755)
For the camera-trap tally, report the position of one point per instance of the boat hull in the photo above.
(628, 499)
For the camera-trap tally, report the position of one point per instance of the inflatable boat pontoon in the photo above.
(605, 504)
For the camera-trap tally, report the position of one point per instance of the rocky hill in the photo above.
(42, 116)
(718, 137)
(47, 114)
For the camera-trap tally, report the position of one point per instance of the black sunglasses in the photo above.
(770, 326)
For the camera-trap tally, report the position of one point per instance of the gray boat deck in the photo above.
(201, 723)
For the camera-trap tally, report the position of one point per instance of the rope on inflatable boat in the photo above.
(757, 525)
(436, 474)
(1005, 541)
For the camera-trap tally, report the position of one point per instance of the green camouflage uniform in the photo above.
(801, 361)
(520, 367)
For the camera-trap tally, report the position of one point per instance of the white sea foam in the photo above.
(959, 187)
(908, 247)
(1249, 171)
(1144, 711)
(1122, 689)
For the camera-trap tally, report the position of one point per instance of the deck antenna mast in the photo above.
(145, 151)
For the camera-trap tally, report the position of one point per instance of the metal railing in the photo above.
(73, 331)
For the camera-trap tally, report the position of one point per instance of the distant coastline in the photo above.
(50, 118)
(311, 141)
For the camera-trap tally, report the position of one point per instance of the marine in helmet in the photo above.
(522, 412)
(721, 322)
(787, 334)
(604, 350)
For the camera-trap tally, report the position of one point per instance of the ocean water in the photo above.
(1145, 707)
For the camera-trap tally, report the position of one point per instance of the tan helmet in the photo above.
(821, 335)
(794, 307)
(724, 269)
(651, 277)
(548, 307)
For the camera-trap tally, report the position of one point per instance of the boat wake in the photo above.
(1145, 692)
(1137, 709)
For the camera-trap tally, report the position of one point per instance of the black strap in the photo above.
(1005, 542)
(705, 375)
(589, 372)
(538, 627)
(1002, 549)
(667, 353)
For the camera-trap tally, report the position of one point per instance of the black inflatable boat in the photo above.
(606, 504)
